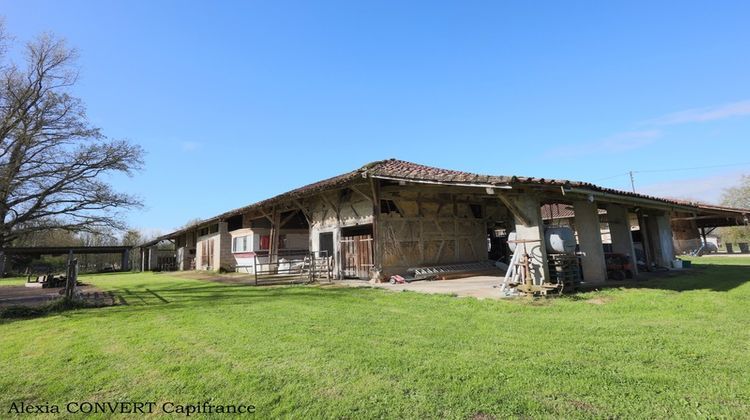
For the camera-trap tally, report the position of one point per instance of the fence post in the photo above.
(72, 274)
(312, 267)
(255, 268)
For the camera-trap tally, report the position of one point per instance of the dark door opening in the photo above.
(325, 244)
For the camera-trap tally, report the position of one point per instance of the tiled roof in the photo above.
(409, 171)
(560, 211)
(557, 211)
(413, 171)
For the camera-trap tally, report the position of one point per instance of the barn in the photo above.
(391, 217)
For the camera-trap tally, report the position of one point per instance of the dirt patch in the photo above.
(33, 296)
(584, 406)
(598, 300)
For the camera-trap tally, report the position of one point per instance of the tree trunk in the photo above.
(71, 277)
(3, 237)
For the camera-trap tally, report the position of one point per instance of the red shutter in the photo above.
(265, 242)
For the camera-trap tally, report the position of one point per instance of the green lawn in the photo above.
(678, 347)
(12, 281)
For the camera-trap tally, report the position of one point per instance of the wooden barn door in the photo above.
(207, 259)
(356, 255)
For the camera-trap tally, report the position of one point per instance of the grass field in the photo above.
(12, 281)
(677, 347)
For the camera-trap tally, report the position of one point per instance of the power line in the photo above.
(631, 173)
(611, 177)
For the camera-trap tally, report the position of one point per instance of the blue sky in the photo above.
(238, 101)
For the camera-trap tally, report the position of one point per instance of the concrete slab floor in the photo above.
(481, 287)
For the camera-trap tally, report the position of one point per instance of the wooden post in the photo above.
(255, 268)
(125, 263)
(71, 278)
(645, 240)
(376, 245)
(273, 248)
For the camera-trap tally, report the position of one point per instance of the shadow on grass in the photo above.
(149, 296)
(716, 278)
(55, 306)
(213, 294)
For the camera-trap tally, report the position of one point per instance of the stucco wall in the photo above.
(295, 239)
(222, 257)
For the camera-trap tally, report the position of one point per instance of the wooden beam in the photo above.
(515, 210)
(356, 190)
(274, 245)
(333, 206)
(266, 215)
(304, 210)
(286, 219)
(376, 247)
(440, 251)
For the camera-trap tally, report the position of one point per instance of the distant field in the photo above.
(12, 281)
(678, 347)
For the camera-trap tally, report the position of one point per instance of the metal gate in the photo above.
(356, 256)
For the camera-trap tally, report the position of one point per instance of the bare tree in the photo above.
(738, 197)
(51, 158)
(132, 237)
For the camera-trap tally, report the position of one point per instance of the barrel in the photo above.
(560, 240)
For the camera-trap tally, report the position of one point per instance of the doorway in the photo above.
(356, 252)
(325, 244)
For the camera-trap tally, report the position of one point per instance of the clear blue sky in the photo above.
(239, 101)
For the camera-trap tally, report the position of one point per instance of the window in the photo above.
(260, 223)
(209, 229)
(388, 207)
(476, 210)
(234, 223)
(240, 244)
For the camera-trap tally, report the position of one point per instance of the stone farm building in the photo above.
(390, 216)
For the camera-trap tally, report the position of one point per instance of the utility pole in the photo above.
(632, 181)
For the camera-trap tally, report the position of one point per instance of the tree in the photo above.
(132, 237)
(738, 197)
(52, 159)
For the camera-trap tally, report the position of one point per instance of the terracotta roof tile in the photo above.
(400, 169)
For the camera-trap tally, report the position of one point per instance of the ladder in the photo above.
(514, 275)
(434, 271)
